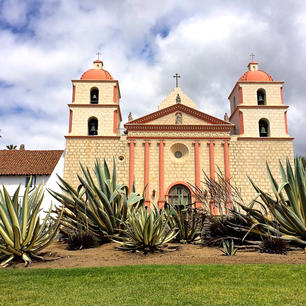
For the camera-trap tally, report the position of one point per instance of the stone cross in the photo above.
(177, 77)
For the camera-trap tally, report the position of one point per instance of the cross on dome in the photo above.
(98, 53)
(252, 57)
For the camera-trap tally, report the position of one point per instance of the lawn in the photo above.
(171, 285)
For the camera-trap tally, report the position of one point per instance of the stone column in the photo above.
(227, 175)
(131, 164)
(161, 201)
(197, 168)
(146, 171)
(212, 175)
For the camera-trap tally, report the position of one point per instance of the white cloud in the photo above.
(208, 44)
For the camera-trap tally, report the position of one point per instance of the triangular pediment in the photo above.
(169, 116)
(175, 95)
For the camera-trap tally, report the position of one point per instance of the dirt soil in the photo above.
(107, 255)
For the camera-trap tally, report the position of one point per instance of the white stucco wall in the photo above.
(12, 182)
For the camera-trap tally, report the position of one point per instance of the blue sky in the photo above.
(45, 44)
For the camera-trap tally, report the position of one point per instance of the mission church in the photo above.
(173, 146)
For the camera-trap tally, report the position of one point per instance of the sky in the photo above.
(46, 44)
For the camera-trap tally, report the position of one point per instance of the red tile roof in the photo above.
(96, 74)
(28, 162)
(256, 76)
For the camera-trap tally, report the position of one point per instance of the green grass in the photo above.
(173, 285)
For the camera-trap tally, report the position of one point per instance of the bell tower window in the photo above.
(264, 128)
(94, 95)
(92, 126)
(261, 97)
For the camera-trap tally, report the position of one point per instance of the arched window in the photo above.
(94, 95)
(261, 97)
(179, 194)
(264, 128)
(92, 126)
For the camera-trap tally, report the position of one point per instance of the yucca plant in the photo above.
(98, 206)
(283, 215)
(22, 235)
(146, 229)
(228, 248)
(185, 220)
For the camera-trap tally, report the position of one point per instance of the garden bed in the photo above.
(107, 255)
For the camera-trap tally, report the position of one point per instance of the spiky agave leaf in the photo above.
(286, 216)
(21, 233)
(146, 229)
(185, 220)
(228, 248)
(99, 205)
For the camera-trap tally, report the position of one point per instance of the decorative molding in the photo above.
(261, 82)
(257, 107)
(174, 127)
(174, 108)
(76, 105)
(266, 138)
(92, 137)
(93, 105)
(178, 137)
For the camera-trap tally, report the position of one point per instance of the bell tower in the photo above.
(95, 109)
(257, 106)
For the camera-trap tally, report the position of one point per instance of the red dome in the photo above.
(255, 76)
(96, 74)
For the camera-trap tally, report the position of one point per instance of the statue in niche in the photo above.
(179, 119)
(130, 117)
(178, 98)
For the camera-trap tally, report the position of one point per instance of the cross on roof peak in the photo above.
(176, 76)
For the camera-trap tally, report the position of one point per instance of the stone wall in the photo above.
(248, 158)
(87, 150)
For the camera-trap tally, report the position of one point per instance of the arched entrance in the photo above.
(178, 194)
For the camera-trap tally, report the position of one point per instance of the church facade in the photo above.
(167, 149)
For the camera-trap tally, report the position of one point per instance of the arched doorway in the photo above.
(179, 194)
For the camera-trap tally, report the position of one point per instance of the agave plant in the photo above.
(283, 215)
(146, 229)
(228, 248)
(186, 221)
(99, 205)
(21, 233)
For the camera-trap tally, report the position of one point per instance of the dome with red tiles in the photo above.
(97, 73)
(255, 75)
